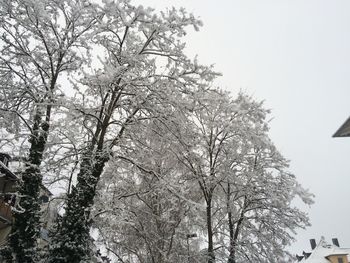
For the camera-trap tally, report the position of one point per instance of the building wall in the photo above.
(334, 258)
(4, 232)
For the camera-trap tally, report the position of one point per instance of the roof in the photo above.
(5, 155)
(46, 190)
(324, 250)
(344, 130)
(4, 169)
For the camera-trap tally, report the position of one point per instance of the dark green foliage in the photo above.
(26, 227)
(72, 242)
(5, 254)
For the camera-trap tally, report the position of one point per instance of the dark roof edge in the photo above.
(8, 172)
(340, 133)
(46, 189)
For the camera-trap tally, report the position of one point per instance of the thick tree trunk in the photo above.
(72, 242)
(211, 255)
(26, 227)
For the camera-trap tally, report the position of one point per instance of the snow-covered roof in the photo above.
(320, 253)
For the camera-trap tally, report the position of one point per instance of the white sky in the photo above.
(295, 55)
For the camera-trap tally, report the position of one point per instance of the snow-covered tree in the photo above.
(251, 191)
(143, 67)
(149, 153)
(240, 175)
(39, 40)
(146, 217)
(212, 127)
(259, 192)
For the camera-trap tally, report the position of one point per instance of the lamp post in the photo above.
(188, 236)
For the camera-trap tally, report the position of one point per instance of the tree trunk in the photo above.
(211, 255)
(26, 226)
(234, 232)
(232, 250)
(233, 241)
(72, 242)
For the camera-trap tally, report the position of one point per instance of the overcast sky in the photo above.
(295, 55)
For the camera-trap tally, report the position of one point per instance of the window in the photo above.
(340, 260)
(10, 199)
(44, 199)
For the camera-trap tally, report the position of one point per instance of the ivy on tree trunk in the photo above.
(72, 241)
(22, 245)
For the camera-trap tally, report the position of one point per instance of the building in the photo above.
(323, 252)
(8, 181)
(344, 130)
(8, 184)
